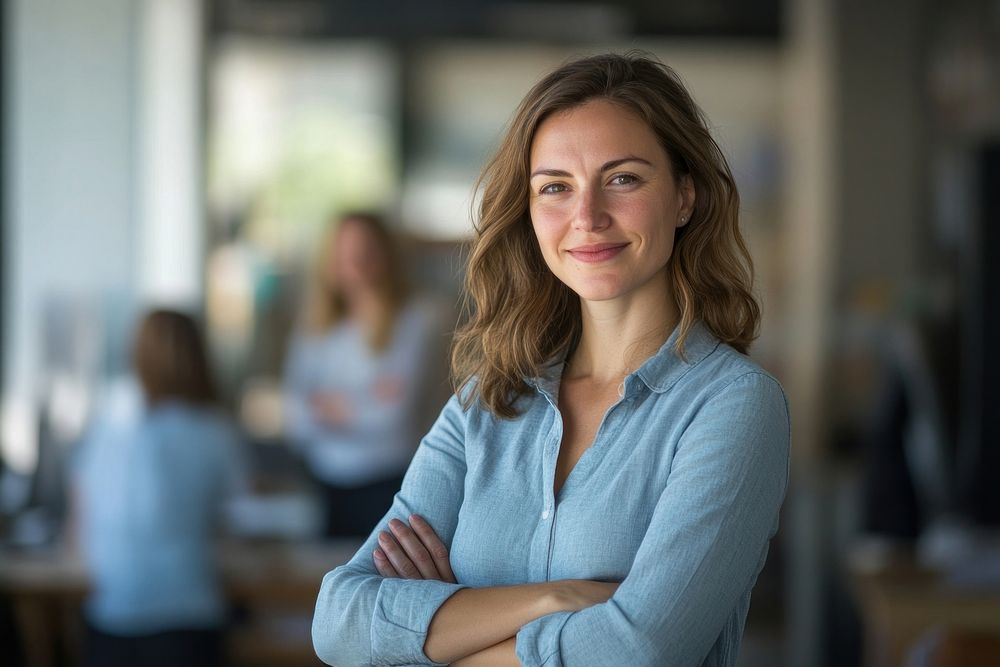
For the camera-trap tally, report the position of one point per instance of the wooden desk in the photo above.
(273, 584)
(901, 601)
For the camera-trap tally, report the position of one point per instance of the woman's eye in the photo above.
(552, 188)
(623, 179)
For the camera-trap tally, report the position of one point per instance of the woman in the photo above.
(603, 487)
(150, 486)
(356, 375)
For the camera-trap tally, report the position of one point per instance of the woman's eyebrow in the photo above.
(611, 164)
(548, 172)
(607, 166)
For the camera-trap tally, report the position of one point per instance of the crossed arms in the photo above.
(688, 582)
(475, 626)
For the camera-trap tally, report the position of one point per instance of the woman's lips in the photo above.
(599, 252)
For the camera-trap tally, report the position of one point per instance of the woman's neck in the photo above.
(366, 307)
(618, 335)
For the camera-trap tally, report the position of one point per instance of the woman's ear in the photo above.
(688, 196)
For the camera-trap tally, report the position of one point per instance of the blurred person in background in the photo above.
(150, 484)
(603, 486)
(356, 373)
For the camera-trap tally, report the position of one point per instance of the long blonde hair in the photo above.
(520, 315)
(327, 305)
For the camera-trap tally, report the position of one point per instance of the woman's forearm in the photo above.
(503, 654)
(474, 619)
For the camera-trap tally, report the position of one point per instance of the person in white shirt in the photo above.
(356, 372)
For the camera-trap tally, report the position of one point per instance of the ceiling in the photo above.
(555, 20)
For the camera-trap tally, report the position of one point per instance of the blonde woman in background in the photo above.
(356, 371)
(603, 486)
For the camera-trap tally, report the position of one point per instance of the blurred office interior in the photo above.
(188, 153)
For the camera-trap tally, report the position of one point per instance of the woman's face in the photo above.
(604, 201)
(357, 260)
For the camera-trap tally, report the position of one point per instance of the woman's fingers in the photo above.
(383, 565)
(415, 550)
(437, 549)
(398, 559)
(412, 552)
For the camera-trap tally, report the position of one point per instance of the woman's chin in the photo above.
(603, 292)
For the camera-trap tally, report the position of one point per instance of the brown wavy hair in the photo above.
(520, 316)
(168, 355)
(327, 305)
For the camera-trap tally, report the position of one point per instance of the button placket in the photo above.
(550, 457)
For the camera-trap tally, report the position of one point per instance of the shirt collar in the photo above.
(662, 370)
(548, 379)
(659, 372)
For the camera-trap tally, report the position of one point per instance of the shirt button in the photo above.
(545, 515)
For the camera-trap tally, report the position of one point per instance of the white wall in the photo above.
(169, 247)
(101, 174)
(70, 177)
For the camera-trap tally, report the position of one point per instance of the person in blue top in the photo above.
(603, 486)
(151, 479)
(357, 374)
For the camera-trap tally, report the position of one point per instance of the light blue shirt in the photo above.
(677, 498)
(151, 485)
(382, 390)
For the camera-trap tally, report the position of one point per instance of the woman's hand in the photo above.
(389, 389)
(331, 408)
(412, 552)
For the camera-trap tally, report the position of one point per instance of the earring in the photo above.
(683, 219)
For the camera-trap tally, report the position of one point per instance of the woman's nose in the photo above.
(591, 213)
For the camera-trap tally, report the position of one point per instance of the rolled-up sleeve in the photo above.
(704, 547)
(362, 618)
(403, 612)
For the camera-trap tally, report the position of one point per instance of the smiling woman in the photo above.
(605, 224)
(602, 488)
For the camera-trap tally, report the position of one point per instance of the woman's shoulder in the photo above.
(424, 313)
(465, 407)
(117, 413)
(306, 335)
(207, 420)
(739, 385)
(703, 364)
(721, 370)
(726, 364)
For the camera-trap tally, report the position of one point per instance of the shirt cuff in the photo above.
(537, 642)
(403, 612)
